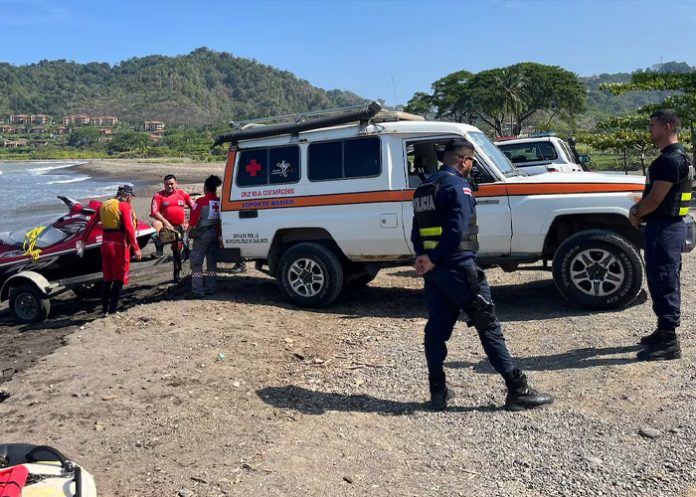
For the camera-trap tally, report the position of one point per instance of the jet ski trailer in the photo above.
(29, 293)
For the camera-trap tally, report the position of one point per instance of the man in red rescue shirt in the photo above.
(168, 211)
(118, 222)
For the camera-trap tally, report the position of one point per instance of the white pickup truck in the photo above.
(326, 203)
(540, 154)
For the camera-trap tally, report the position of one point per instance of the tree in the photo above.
(623, 134)
(551, 90)
(452, 97)
(630, 133)
(518, 92)
(684, 103)
(128, 141)
(85, 137)
(421, 104)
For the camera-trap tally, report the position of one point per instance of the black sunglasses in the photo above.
(465, 157)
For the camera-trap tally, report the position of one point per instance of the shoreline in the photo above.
(146, 176)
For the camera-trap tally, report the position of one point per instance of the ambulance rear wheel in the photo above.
(28, 304)
(310, 275)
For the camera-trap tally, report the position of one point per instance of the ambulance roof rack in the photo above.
(288, 118)
(296, 123)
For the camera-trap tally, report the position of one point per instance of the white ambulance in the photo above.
(326, 203)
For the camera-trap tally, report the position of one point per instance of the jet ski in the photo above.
(67, 247)
(41, 471)
(64, 250)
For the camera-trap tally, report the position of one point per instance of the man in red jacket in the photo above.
(168, 211)
(118, 222)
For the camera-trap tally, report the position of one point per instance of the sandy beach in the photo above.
(147, 175)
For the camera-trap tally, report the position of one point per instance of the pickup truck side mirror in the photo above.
(584, 159)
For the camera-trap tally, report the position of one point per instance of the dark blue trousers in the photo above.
(449, 289)
(664, 239)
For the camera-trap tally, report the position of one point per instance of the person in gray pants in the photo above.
(204, 230)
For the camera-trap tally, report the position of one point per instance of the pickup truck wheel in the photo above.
(310, 275)
(363, 280)
(598, 269)
(362, 275)
(28, 304)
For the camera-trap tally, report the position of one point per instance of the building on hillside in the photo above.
(40, 118)
(20, 118)
(79, 119)
(61, 131)
(154, 126)
(14, 144)
(154, 137)
(104, 120)
(106, 131)
(38, 129)
(5, 128)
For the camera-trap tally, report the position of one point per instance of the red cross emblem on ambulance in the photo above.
(253, 167)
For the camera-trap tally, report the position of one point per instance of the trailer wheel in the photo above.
(28, 304)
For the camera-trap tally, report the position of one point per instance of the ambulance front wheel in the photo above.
(310, 275)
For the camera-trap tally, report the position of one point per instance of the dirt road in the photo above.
(241, 394)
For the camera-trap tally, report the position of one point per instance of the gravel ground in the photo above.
(242, 394)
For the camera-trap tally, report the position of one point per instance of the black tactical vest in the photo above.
(676, 204)
(430, 222)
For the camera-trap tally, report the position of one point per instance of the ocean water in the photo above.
(29, 191)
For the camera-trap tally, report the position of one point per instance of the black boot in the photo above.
(159, 246)
(106, 295)
(440, 393)
(664, 347)
(653, 337)
(115, 296)
(520, 396)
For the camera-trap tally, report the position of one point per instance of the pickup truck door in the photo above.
(494, 219)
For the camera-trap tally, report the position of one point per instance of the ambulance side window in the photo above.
(344, 159)
(264, 166)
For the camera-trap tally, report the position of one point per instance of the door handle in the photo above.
(487, 202)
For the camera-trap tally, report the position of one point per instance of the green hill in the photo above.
(601, 103)
(199, 88)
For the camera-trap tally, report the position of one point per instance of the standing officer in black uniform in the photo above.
(445, 240)
(665, 202)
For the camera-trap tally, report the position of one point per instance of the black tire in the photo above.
(310, 275)
(362, 275)
(88, 291)
(28, 304)
(598, 269)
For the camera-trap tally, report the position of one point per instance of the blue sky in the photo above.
(379, 49)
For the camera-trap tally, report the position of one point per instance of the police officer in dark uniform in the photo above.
(445, 240)
(665, 202)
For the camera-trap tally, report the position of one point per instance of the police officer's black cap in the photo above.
(456, 143)
(125, 190)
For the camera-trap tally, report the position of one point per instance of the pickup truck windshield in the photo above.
(493, 153)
